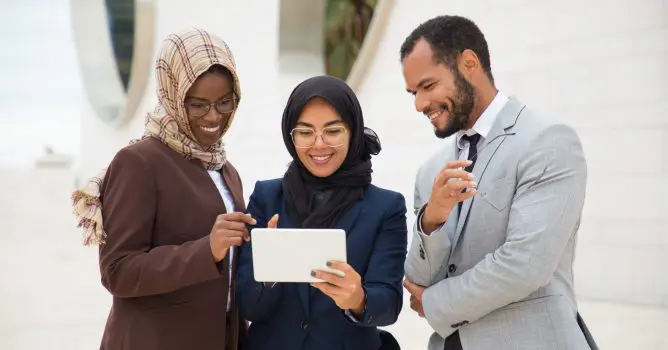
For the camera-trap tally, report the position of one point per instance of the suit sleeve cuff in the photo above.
(351, 317)
(434, 312)
(420, 231)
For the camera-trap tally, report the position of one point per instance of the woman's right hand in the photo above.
(229, 230)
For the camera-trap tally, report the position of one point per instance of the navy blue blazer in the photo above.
(295, 316)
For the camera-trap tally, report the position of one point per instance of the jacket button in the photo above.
(452, 268)
(303, 325)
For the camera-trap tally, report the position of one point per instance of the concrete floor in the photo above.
(51, 298)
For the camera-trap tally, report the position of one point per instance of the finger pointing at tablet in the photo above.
(273, 223)
(229, 229)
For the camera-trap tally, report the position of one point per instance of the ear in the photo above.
(468, 63)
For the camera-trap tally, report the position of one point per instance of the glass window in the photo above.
(121, 19)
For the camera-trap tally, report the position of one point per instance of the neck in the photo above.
(484, 97)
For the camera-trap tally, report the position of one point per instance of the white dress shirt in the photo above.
(483, 126)
(229, 206)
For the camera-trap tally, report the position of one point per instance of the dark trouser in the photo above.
(452, 342)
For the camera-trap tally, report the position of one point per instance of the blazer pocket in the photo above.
(499, 192)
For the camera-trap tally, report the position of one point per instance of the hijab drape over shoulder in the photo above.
(346, 186)
(183, 57)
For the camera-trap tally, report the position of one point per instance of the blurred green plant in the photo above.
(347, 22)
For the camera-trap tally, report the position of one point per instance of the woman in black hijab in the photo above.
(327, 185)
(316, 200)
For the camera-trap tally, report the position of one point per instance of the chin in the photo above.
(320, 172)
(206, 141)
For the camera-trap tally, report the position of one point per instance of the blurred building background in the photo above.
(77, 82)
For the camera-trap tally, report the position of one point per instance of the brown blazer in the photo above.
(168, 292)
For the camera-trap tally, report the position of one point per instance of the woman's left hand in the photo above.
(347, 291)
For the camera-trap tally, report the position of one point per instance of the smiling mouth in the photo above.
(321, 160)
(435, 114)
(210, 129)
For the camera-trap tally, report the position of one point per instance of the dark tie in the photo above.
(473, 152)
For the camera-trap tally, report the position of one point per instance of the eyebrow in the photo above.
(204, 99)
(333, 122)
(420, 84)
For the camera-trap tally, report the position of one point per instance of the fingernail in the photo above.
(312, 273)
(475, 184)
(254, 221)
(329, 264)
(469, 162)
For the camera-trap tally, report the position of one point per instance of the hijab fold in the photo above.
(346, 186)
(183, 57)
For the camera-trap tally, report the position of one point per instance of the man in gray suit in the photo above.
(491, 261)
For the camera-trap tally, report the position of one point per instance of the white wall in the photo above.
(599, 66)
(39, 87)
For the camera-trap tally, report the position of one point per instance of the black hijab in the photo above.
(344, 187)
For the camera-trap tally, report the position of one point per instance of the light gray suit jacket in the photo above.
(502, 274)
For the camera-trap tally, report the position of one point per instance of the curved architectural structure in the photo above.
(300, 42)
(248, 29)
(372, 40)
(115, 48)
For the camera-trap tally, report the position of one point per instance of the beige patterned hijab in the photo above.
(184, 56)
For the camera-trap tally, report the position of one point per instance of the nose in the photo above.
(212, 115)
(319, 143)
(421, 103)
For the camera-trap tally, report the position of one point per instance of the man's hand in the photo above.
(446, 192)
(416, 296)
(346, 291)
(228, 230)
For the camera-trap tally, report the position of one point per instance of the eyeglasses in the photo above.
(333, 136)
(197, 108)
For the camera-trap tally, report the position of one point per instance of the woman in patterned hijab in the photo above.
(167, 212)
(177, 67)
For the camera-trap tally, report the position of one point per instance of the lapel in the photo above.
(501, 129)
(451, 222)
(348, 219)
(302, 288)
(233, 185)
(345, 223)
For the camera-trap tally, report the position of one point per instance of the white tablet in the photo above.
(289, 255)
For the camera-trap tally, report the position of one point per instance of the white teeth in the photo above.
(432, 116)
(320, 158)
(214, 129)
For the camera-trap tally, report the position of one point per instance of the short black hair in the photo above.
(448, 37)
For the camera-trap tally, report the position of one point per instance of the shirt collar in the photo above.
(483, 126)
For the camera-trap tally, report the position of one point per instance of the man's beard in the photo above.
(462, 107)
